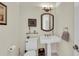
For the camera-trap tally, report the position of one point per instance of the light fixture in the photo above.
(47, 8)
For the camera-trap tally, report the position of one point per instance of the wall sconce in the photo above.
(47, 8)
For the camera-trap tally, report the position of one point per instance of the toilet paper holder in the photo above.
(12, 48)
(76, 47)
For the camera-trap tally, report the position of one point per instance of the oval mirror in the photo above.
(47, 22)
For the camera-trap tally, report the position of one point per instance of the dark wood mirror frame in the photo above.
(49, 20)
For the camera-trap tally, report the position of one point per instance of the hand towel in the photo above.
(65, 36)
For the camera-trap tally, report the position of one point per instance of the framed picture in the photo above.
(32, 22)
(3, 14)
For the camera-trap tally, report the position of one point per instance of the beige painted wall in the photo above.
(9, 34)
(31, 11)
(63, 17)
(14, 33)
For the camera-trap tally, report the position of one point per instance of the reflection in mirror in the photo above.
(47, 22)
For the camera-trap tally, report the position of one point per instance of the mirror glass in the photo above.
(47, 22)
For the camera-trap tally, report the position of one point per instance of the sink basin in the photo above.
(49, 39)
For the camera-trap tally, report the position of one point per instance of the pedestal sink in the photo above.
(48, 40)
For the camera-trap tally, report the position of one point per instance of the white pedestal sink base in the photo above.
(48, 49)
(48, 40)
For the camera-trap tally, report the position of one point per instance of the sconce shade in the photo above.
(47, 9)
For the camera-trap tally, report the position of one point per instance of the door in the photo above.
(76, 28)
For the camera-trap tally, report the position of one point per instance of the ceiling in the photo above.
(39, 4)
